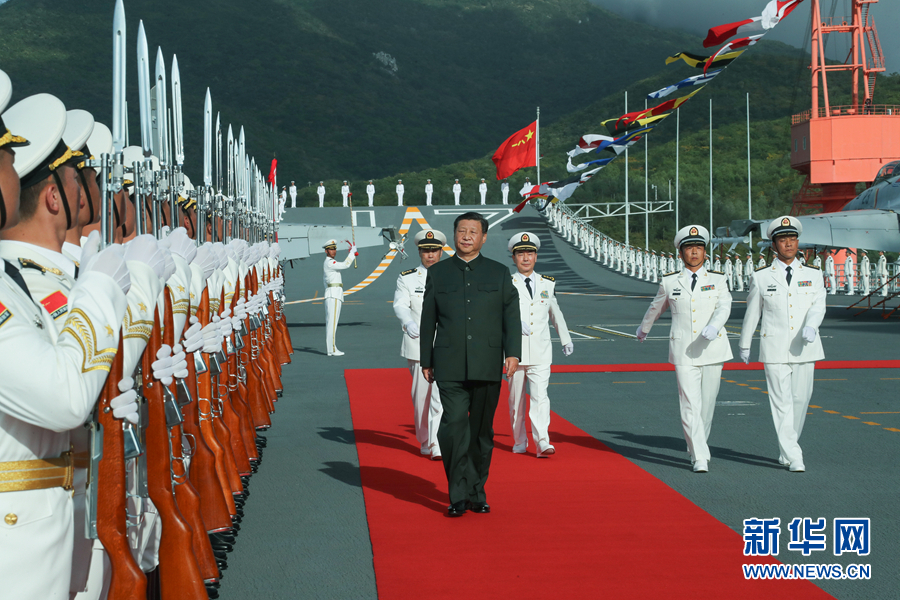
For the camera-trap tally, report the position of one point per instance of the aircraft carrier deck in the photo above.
(305, 533)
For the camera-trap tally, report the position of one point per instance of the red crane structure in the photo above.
(837, 147)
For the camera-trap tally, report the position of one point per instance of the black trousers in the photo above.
(466, 435)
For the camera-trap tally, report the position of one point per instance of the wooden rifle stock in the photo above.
(224, 434)
(289, 347)
(239, 404)
(255, 391)
(128, 581)
(178, 572)
(186, 496)
(231, 419)
(262, 359)
(204, 408)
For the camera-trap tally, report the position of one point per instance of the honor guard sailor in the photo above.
(408, 297)
(700, 304)
(457, 190)
(320, 191)
(334, 293)
(345, 193)
(504, 189)
(429, 190)
(482, 190)
(790, 299)
(400, 191)
(293, 192)
(370, 191)
(538, 308)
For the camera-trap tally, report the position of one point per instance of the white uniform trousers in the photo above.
(456, 197)
(99, 576)
(790, 387)
(332, 316)
(427, 409)
(538, 413)
(698, 388)
(372, 199)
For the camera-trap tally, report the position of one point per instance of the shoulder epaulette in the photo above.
(672, 273)
(716, 272)
(27, 263)
(812, 267)
(548, 277)
(409, 271)
(762, 267)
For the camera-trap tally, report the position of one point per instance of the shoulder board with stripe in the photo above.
(672, 273)
(761, 268)
(716, 272)
(27, 263)
(548, 277)
(812, 267)
(409, 272)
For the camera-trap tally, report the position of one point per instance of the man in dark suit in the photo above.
(471, 304)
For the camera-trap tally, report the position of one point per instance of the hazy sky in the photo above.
(697, 16)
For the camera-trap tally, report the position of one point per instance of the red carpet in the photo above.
(586, 523)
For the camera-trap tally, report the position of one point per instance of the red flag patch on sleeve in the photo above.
(5, 315)
(56, 304)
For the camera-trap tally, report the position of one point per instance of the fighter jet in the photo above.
(871, 220)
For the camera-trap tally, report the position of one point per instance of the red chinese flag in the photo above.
(517, 152)
(272, 170)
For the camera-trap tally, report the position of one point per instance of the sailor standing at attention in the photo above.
(334, 292)
(830, 274)
(881, 272)
(429, 190)
(738, 273)
(790, 298)
(293, 192)
(321, 192)
(865, 272)
(526, 188)
(482, 189)
(698, 345)
(504, 189)
(457, 190)
(400, 190)
(408, 296)
(345, 192)
(538, 308)
(370, 190)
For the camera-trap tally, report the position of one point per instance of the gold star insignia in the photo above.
(142, 306)
(109, 331)
(192, 295)
(181, 288)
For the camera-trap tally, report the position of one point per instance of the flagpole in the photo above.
(537, 146)
(626, 179)
(749, 184)
(710, 169)
(677, 160)
(646, 189)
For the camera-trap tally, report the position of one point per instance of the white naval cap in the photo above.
(133, 154)
(430, 239)
(524, 241)
(332, 243)
(692, 234)
(786, 225)
(100, 141)
(41, 119)
(6, 137)
(79, 125)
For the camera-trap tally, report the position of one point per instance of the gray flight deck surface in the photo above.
(304, 534)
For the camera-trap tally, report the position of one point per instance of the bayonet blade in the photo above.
(162, 128)
(207, 140)
(219, 152)
(119, 54)
(177, 125)
(143, 57)
(230, 158)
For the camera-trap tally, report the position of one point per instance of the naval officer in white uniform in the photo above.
(457, 190)
(790, 298)
(345, 192)
(293, 192)
(429, 190)
(482, 190)
(370, 191)
(400, 189)
(538, 308)
(700, 304)
(321, 193)
(408, 297)
(334, 292)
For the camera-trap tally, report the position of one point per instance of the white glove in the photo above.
(193, 336)
(526, 328)
(169, 264)
(125, 405)
(90, 247)
(353, 250)
(412, 330)
(225, 324)
(709, 333)
(641, 336)
(164, 232)
(568, 349)
(179, 362)
(211, 341)
(745, 355)
(809, 334)
(163, 367)
(206, 260)
(145, 249)
(110, 261)
(181, 245)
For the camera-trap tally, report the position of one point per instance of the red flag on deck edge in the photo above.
(272, 170)
(517, 152)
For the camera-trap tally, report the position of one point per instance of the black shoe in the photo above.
(457, 509)
(478, 507)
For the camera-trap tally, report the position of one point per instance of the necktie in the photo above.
(17, 277)
(788, 276)
(528, 286)
(693, 281)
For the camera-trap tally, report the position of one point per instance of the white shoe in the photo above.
(783, 461)
(701, 466)
(436, 453)
(797, 467)
(545, 450)
(336, 353)
(424, 450)
(520, 448)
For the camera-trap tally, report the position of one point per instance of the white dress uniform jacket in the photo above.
(370, 191)
(457, 190)
(400, 189)
(785, 310)
(321, 192)
(482, 189)
(334, 298)
(429, 190)
(345, 193)
(539, 312)
(293, 192)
